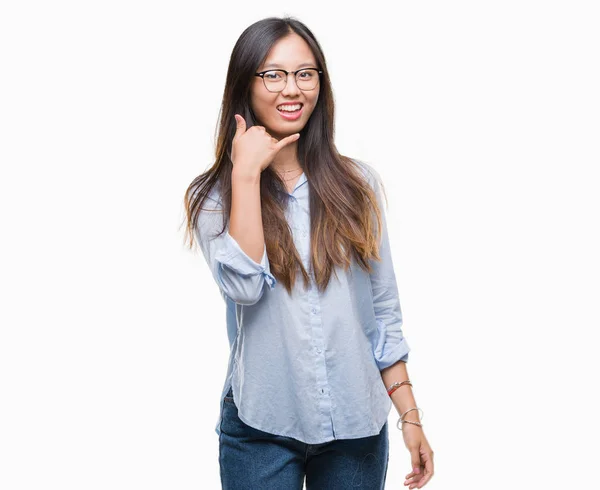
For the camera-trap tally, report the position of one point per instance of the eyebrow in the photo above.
(277, 65)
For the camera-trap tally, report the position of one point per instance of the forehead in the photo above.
(290, 53)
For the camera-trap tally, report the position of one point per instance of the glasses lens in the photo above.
(275, 80)
(307, 79)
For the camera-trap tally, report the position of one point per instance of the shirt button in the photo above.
(314, 311)
(322, 390)
(318, 351)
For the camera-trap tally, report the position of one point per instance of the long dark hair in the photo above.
(343, 207)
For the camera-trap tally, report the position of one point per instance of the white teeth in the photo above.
(289, 108)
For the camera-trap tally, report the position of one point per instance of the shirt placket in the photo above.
(315, 324)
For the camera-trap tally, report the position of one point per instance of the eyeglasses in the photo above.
(276, 80)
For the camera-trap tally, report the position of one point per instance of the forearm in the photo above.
(245, 221)
(402, 397)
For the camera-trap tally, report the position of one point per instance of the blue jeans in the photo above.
(251, 459)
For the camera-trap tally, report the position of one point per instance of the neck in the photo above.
(286, 159)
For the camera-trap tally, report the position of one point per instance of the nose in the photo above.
(290, 86)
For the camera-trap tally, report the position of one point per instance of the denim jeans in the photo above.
(251, 459)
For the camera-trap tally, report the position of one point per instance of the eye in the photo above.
(272, 75)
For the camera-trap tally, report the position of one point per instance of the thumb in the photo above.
(286, 141)
(240, 126)
(415, 460)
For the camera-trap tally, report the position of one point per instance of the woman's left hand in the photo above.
(421, 456)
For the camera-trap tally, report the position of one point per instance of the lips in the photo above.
(291, 116)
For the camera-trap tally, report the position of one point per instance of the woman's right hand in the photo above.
(255, 149)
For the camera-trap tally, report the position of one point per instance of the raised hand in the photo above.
(254, 149)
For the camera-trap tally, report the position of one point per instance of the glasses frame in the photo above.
(262, 75)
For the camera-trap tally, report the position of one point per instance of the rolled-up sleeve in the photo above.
(239, 277)
(391, 346)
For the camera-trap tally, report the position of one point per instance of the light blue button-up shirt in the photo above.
(306, 366)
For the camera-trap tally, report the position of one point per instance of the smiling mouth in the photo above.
(291, 115)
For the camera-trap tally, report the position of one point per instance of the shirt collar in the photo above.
(301, 181)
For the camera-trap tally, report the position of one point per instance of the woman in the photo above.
(316, 361)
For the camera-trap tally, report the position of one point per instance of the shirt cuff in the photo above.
(236, 259)
(387, 354)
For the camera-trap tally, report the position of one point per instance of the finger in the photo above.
(428, 473)
(412, 474)
(412, 481)
(286, 141)
(417, 479)
(421, 482)
(415, 476)
(240, 126)
(415, 461)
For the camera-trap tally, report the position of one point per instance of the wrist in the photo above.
(403, 399)
(412, 416)
(245, 175)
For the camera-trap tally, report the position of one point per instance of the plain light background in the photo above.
(483, 119)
